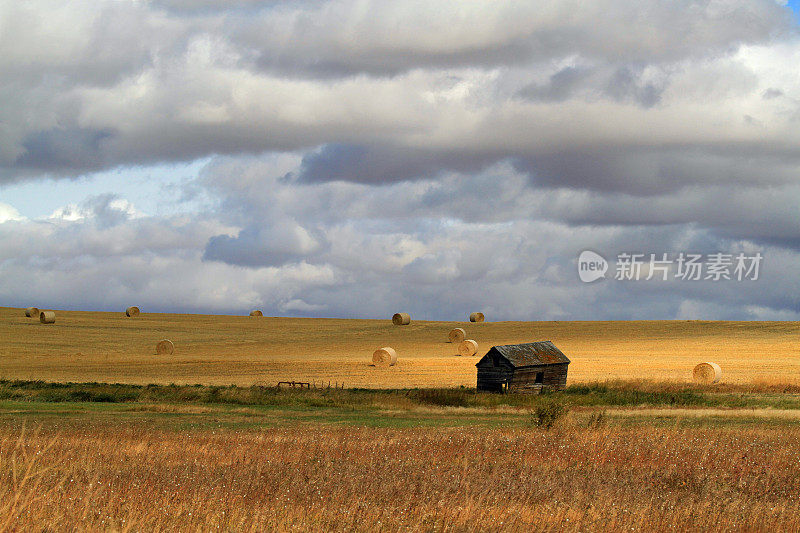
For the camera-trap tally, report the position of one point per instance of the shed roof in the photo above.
(531, 354)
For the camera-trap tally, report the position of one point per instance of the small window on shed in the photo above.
(540, 377)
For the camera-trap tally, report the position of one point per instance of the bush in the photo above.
(548, 412)
(213, 395)
(443, 397)
(83, 395)
(597, 420)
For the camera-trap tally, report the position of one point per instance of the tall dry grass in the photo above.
(116, 477)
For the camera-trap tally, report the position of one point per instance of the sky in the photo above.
(355, 158)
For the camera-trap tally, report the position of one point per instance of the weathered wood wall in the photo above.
(493, 379)
(493, 373)
(524, 379)
(501, 378)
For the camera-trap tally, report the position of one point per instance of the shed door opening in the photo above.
(539, 378)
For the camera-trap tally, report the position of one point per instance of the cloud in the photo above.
(105, 210)
(369, 156)
(260, 246)
(8, 212)
(437, 259)
(382, 164)
(62, 148)
(626, 83)
(386, 38)
(502, 243)
(383, 91)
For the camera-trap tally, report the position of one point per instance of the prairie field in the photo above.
(634, 456)
(134, 476)
(99, 433)
(242, 350)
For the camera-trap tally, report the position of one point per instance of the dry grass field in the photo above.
(242, 350)
(131, 477)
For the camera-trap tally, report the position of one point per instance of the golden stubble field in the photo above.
(221, 350)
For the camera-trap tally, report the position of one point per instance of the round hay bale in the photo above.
(165, 347)
(132, 311)
(457, 335)
(47, 317)
(468, 347)
(707, 373)
(256, 312)
(476, 317)
(32, 312)
(385, 356)
(401, 319)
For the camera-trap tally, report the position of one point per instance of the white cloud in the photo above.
(73, 212)
(8, 212)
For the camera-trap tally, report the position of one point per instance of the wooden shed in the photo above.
(528, 367)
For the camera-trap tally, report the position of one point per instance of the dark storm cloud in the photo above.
(246, 249)
(618, 83)
(60, 149)
(625, 85)
(384, 164)
(257, 246)
(124, 83)
(757, 214)
(561, 85)
(647, 171)
(322, 34)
